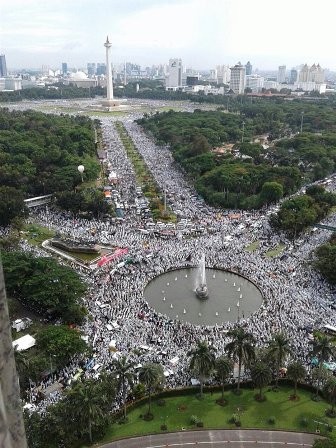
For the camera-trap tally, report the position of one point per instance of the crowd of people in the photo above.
(295, 297)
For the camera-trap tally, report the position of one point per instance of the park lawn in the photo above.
(275, 252)
(253, 414)
(36, 234)
(253, 246)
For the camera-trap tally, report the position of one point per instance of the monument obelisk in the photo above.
(110, 101)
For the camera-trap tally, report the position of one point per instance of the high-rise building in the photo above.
(304, 73)
(248, 68)
(223, 74)
(316, 74)
(3, 67)
(293, 76)
(64, 68)
(255, 83)
(281, 74)
(101, 68)
(174, 80)
(237, 80)
(91, 68)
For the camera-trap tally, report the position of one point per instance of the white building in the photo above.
(13, 83)
(255, 83)
(271, 85)
(281, 74)
(174, 79)
(223, 74)
(237, 80)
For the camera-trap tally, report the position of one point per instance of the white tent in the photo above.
(24, 343)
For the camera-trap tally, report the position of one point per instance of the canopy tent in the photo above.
(24, 343)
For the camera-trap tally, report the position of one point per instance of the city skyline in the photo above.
(203, 34)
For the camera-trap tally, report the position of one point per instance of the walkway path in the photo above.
(227, 438)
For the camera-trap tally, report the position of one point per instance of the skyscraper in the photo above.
(293, 76)
(3, 67)
(64, 68)
(237, 80)
(248, 68)
(101, 68)
(281, 74)
(91, 68)
(174, 79)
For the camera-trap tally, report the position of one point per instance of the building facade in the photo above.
(64, 68)
(174, 79)
(255, 83)
(3, 66)
(281, 74)
(248, 68)
(237, 79)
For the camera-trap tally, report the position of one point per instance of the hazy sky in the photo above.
(203, 33)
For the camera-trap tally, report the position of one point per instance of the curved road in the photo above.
(219, 439)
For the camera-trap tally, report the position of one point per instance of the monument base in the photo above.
(111, 103)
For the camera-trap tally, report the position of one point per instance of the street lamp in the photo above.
(81, 170)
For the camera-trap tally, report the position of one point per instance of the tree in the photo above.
(271, 192)
(241, 348)
(123, 371)
(279, 348)
(296, 372)
(223, 367)
(151, 374)
(261, 376)
(330, 394)
(60, 341)
(324, 443)
(11, 205)
(87, 406)
(202, 362)
(326, 260)
(323, 350)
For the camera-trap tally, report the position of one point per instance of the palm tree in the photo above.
(296, 372)
(150, 374)
(202, 361)
(224, 367)
(87, 405)
(323, 349)
(261, 375)
(330, 393)
(279, 348)
(123, 371)
(241, 348)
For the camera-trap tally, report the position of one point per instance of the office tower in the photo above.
(174, 79)
(281, 74)
(91, 68)
(304, 73)
(248, 68)
(3, 67)
(293, 76)
(255, 83)
(101, 68)
(316, 74)
(64, 68)
(237, 80)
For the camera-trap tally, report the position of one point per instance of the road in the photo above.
(219, 438)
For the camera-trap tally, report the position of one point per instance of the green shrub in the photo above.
(161, 402)
(199, 424)
(163, 427)
(271, 420)
(193, 420)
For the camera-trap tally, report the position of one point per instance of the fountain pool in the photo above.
(231, 297)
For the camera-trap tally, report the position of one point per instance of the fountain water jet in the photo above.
(201, 287)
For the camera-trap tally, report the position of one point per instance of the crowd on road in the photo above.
(295, 298)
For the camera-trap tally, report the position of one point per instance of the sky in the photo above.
(203, 33)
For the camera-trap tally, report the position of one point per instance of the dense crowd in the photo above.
(295, 298)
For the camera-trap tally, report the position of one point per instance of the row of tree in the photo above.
(326, 260)
(89, 403)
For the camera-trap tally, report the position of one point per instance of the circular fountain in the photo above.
(222, 303)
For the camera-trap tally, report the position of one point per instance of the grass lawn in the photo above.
(36, 234)
(177, 412)
(274, 252)
(253, 246)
